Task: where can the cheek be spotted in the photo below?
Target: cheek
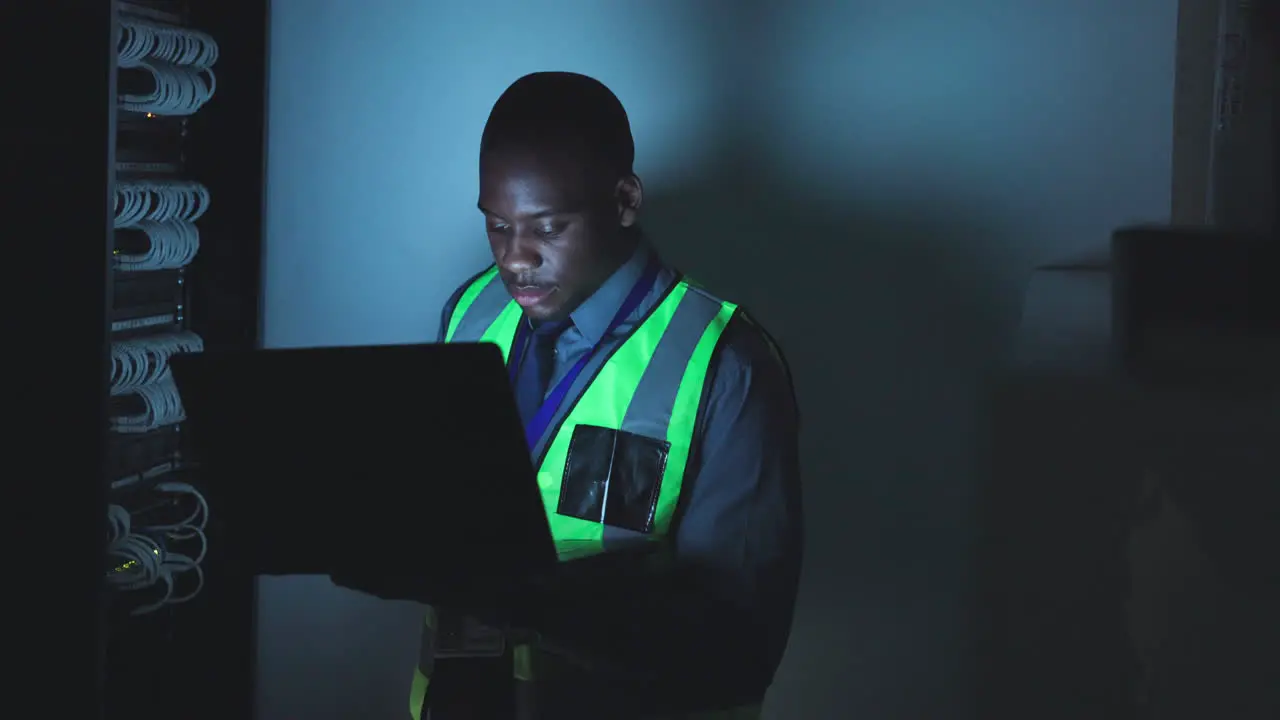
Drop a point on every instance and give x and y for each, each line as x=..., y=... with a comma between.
x=495, y=244
x=572, y=257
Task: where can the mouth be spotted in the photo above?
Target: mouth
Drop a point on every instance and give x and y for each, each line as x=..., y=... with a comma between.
x=529, y=295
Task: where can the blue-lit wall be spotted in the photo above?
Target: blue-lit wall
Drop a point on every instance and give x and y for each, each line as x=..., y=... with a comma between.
x=873, y=178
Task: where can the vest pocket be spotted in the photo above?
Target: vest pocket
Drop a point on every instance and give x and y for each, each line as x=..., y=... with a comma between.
x=613, y=477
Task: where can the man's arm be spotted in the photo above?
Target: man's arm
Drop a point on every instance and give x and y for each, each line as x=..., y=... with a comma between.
x=714, y=627
x=742, y=525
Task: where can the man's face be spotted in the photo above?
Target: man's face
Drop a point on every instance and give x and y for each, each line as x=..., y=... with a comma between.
x=554, y=228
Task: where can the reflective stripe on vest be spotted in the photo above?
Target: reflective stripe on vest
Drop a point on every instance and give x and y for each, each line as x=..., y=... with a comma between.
x=426, y=661
x=650, y=385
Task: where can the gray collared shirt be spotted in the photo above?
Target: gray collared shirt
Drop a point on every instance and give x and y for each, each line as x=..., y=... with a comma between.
x=740, y=515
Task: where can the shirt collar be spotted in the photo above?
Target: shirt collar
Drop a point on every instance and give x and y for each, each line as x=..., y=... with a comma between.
x=593, y=316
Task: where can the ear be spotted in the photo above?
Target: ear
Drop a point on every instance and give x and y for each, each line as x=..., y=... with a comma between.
x=630, y=195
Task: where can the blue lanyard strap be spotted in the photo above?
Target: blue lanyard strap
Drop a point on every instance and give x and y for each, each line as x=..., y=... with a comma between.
x=542, y=419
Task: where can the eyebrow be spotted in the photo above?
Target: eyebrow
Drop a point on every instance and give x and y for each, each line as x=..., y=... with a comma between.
x=536, y=216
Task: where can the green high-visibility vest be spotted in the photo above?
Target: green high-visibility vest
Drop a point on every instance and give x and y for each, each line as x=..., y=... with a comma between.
x=650, y=386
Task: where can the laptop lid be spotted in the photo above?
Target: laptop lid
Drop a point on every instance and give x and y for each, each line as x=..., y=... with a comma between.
x=409, y=456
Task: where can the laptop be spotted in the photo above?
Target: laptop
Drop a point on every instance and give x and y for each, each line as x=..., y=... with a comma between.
x=408, y=457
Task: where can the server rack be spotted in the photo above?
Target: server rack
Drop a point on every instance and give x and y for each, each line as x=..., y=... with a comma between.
x=204, y=150
x=112, y=158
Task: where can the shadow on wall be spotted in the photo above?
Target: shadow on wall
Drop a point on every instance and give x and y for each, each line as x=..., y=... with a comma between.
x=888, y=313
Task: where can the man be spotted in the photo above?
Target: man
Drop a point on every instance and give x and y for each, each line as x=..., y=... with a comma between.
x=624, y=371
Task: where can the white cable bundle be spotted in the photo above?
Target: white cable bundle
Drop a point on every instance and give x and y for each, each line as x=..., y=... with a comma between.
x=138, y=560
x=179, y=62
x=162, y=406
x=178, y=90
x=159, y=201
x=172, y=245
x=139, y=362
x=137, y=40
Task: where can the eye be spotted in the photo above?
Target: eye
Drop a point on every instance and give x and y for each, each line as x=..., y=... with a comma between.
x=498, y=227
x=551, y=229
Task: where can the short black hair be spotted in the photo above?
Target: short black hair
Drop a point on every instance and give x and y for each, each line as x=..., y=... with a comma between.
x=562, y=111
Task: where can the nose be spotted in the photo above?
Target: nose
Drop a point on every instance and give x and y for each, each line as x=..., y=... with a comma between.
x=519, y=254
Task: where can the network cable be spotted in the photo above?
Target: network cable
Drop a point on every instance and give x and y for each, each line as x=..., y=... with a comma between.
x=140, y=366
x=170, y=245
x=178, y=90
x=159, y=201
x=141, y=39
x=180, y=63
x=138, y=362
x=162, y=406
x=140, y=557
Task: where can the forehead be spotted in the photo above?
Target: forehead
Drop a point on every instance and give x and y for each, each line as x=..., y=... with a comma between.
x=531, y=182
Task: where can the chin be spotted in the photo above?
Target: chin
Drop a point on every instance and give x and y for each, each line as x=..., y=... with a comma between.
x=547, y=314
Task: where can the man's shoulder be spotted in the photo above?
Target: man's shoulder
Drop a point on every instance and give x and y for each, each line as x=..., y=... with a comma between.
x=749, y=345
x=446, y=312
x=746, y=345
x=457, y=292
x=749, y=365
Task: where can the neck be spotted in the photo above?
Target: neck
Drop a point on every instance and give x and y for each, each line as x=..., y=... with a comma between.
x=629, y=239
x=615, y=279
x=621, y=252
